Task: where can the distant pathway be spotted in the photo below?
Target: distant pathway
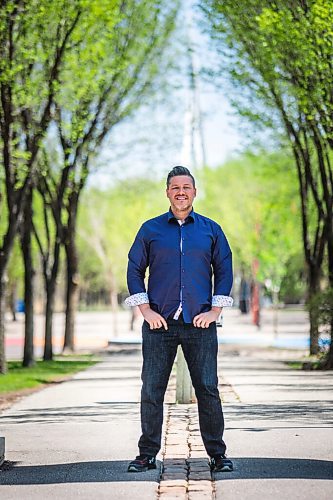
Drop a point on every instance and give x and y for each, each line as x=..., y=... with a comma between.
x=95, y=329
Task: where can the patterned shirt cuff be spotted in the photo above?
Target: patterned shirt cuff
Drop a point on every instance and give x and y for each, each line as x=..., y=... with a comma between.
x=137, y=299
x=222, y=301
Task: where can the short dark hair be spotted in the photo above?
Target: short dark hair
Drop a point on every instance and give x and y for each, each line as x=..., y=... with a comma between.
x=179, y=170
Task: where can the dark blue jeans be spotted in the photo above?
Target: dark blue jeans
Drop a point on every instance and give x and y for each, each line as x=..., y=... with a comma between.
x=159, y=351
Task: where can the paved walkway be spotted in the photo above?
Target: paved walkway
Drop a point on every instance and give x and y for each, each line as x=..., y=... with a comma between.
x=76, y=438
x=279, y=432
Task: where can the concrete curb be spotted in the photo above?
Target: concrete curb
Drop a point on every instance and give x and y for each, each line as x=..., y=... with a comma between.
x=2, y=450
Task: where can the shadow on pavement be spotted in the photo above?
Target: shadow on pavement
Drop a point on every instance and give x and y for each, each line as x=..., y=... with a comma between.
x=278, y=468
x=84, y=380
x=78, y=472
x=100, y=412
x=116, y=471
x=270, y=428
x=303, y=412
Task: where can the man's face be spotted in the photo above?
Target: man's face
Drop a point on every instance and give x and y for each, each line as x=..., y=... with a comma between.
x=181, y=193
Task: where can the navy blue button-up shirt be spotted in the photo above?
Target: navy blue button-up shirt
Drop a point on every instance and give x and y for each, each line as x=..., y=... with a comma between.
x=182, y=261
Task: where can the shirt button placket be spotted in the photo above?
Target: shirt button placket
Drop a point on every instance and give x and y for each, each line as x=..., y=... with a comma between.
x=182, y=263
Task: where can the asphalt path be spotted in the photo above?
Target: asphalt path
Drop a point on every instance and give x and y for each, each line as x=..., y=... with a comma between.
x=279, y=430
x=75, y=439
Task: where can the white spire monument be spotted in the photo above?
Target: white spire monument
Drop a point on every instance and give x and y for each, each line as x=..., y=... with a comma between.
x=193, y=148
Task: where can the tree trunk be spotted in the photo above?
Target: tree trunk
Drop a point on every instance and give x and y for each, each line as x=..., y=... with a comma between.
x=5, y=251
x=255, y=303
x=3, y=365
x=314, y=334
x=314, y=275
x=12, y=300
x=50, y=280
x=28, y=356
x=71, y=295
x=328, y=362
x=49, y=307
x=72, y=262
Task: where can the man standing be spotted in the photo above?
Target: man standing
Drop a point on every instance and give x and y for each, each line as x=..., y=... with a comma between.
x=184, y=252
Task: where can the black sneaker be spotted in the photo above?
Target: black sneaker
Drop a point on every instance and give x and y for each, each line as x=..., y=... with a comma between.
x=142, y=463
x=220, y=463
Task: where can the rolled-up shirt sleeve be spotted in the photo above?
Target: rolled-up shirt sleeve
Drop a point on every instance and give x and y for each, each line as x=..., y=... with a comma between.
x=136, y=270
x=222, y=268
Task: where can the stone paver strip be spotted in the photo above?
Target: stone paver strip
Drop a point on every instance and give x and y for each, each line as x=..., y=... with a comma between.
x=186, y=474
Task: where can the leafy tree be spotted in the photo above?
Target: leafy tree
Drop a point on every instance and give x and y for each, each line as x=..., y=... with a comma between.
x=109, y=89
x=108, y=222
x=34, y=37
x=280, y=55
x=260, y=215
x=85, y=65
x=48, y=232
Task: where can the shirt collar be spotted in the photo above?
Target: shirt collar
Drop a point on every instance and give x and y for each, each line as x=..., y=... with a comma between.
x=189, y=218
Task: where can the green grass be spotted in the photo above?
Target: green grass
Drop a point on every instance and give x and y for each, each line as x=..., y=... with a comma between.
x=44, y=372
x=295, y=365
x=299, y=365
